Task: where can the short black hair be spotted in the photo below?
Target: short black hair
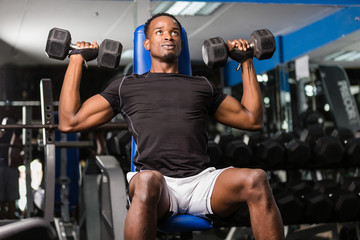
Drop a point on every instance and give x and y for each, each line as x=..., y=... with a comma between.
x=147, y=24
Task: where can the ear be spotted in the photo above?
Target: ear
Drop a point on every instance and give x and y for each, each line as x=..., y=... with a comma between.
x=147, y=44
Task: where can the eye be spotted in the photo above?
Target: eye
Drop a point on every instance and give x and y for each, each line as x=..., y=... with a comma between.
x=159, y=32
x=175, y=33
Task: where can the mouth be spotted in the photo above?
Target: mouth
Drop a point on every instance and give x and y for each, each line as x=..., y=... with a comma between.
x=168, y=46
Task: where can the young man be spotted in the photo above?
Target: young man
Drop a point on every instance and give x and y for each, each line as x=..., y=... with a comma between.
x=166, y=113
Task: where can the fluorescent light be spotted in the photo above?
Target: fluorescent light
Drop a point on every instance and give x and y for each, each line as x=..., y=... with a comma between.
x=354, y=57
x=334, y=55
x=193, y=8
x=177, y=7
x=209, y=8
x=162, y=7
x=342, y=55
x=345, y=56
x=186, y=8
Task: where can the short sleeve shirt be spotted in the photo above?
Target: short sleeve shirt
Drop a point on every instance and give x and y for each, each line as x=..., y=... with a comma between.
x=167, y=115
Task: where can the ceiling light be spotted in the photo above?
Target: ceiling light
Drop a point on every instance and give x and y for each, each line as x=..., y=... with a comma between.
x=345, y=57
x=178, y=7
x=193, y=8
x=209, y=8
x=333, y=55
x=186, y=8
x=342, y=55
x=161, y=7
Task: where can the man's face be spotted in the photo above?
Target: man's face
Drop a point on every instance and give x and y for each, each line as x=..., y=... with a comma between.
x=163, y=41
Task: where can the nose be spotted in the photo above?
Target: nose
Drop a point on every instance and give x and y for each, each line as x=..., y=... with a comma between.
x=167, y=35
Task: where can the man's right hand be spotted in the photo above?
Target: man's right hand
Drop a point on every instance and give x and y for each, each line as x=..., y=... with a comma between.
x=86, y=50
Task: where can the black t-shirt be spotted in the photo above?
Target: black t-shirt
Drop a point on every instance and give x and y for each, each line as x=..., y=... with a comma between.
x=167, y=115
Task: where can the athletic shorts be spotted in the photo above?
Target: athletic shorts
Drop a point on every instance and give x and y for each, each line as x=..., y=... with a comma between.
x=191, y=195
x=9, y=184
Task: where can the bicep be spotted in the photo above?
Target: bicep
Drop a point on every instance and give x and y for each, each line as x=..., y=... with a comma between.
x=93, y=112
x=233, y=114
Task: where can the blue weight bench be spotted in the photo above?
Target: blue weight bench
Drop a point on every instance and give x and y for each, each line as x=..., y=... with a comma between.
x=184, y=224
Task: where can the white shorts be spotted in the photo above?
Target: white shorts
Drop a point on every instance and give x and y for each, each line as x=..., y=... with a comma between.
x=191, y=195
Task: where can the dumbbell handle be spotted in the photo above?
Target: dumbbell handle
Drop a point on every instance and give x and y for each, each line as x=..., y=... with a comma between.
x=240, y=56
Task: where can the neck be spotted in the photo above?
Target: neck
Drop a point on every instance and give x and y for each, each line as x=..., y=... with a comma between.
x=164, y=67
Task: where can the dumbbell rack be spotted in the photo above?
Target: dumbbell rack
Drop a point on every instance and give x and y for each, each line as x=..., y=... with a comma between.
x=313, y=171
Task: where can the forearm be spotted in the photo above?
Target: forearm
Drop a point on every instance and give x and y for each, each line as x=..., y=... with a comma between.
x=252, y=98
x=70, y=102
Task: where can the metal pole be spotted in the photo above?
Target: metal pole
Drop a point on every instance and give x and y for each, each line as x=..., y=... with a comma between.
x=49, y=150
x=26, y=141
x=107, y=126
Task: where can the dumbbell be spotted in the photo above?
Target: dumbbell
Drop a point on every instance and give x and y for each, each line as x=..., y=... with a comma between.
x=290, y=206
x=59, y=44
x=215, y=51
x=297, y=152
x=215, y=153
x=318, y=207
x=327, y=150
x=236, y=152
x=351, y=145
x=346, y=204
x=267, y=152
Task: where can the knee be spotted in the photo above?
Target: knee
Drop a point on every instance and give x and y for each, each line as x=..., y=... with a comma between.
x=148, y=186
x=257, y=184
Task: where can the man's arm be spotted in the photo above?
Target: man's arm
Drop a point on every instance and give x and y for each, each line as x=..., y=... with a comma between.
x=72, y=115
x=247, y=114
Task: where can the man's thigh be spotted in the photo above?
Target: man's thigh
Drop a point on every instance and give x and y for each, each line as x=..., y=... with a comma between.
x=229, y=191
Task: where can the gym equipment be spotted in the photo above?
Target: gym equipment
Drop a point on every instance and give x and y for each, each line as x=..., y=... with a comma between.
x=290, y=206
x=113, y=198
x=31, y=228
x=67, y=186
x=297, y=152
x=118, y=145
x=318, y=207
x=106, y=126
x=267, y=152
x=47, y=117
x=351, y=145
x=236, y=152
x=327, y=150
x=59, y=44
x=215, y=51
x=142, y=64
x=104, y=199
x=346, y=205
x=336, y=86
x=311, y=118
x=215, y=154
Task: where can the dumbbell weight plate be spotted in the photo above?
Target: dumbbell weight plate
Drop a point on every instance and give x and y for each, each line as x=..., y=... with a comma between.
x=214, y=52
x=58, y=43
x=264, y=43
x=109, y=54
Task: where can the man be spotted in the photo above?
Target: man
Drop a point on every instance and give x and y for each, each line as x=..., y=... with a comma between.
x=166, y=113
